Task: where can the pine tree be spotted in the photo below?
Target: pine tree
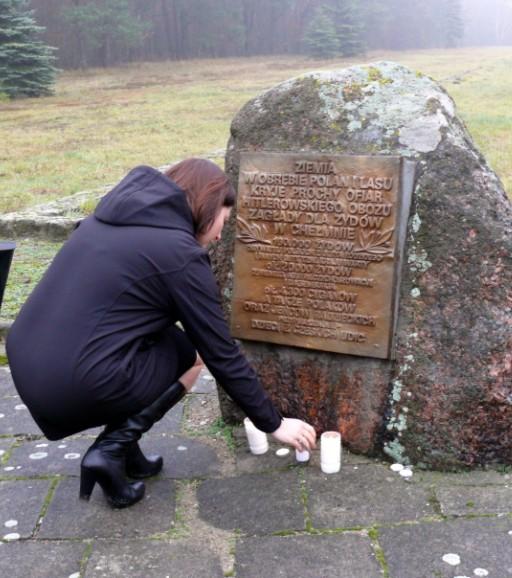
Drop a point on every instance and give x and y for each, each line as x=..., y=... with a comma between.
x=106, y=27
x=320, y=37
x=453, y=28
x=349, y=22
x=26, y=63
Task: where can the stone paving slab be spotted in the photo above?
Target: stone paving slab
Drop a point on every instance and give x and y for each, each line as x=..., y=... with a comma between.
x=5, y=446
x=362, y=497
x=417, y=550
x=170, y=423
x=21, y=502
x=7, y=471
x=34, y=559
x=151, y=559
x=7, y=388
x=471, y=478
x=338, y=556
x=461, y=501
x=254, y=504
x=184, y=457
x=205, y=383
x=43, y=457
x=15, y=418
x=201, y=413
x=70, y=517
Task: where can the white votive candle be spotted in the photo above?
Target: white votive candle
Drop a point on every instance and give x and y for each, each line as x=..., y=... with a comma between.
x=330, y=452
x=258, y=443
x=302, y=456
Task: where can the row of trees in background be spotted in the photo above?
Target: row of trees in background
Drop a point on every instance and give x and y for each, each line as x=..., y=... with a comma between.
x=350, y=27
x=488, y=22
x=106, y=32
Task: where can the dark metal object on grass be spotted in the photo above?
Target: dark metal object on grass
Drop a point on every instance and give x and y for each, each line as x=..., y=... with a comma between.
x=6, y=253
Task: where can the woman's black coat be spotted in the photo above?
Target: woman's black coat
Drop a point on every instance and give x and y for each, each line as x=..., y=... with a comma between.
x=96, y=339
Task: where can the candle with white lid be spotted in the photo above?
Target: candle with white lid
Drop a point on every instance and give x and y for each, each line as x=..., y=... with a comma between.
x=330, y=452
x=258, y=443
x=302, y=456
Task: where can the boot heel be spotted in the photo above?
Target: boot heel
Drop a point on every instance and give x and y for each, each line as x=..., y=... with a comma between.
x=87, y=483
x=106, y=467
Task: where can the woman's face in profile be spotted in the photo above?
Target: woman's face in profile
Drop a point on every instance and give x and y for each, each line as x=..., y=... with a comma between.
x=213, y=234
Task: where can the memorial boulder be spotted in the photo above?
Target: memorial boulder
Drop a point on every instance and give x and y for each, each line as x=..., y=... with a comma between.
x=372, y=289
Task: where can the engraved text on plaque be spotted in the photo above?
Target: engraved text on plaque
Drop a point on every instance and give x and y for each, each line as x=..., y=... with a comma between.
x=316, y=251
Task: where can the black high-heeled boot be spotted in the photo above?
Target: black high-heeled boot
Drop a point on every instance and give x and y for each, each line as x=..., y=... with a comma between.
x=139, y=466
x=107, y=461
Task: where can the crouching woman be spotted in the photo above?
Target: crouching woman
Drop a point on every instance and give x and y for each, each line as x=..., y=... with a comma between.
x=97, y=343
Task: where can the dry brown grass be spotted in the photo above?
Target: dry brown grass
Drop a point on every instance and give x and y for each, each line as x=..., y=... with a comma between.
x=100, y=123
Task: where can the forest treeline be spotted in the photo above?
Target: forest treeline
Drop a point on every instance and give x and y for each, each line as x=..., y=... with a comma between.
x=108, y=32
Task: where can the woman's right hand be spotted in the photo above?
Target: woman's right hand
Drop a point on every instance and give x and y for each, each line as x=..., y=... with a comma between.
x=296, y=433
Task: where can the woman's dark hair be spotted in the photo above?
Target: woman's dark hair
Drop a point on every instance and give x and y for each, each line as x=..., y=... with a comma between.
x=207, y=188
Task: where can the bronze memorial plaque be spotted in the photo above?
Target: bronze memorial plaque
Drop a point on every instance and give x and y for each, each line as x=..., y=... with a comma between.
x=317, y=251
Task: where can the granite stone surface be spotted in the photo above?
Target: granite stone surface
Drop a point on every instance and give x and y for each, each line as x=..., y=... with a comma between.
x=443, y=400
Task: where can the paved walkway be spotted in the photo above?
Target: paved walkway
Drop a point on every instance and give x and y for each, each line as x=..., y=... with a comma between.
x=216, y=510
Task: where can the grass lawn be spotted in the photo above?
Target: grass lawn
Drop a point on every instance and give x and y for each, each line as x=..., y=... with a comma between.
x=30, y=260
x=101, y=123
